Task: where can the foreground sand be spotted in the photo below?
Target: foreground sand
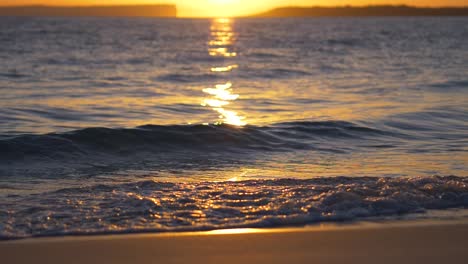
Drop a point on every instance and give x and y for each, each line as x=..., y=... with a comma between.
x=408, y=242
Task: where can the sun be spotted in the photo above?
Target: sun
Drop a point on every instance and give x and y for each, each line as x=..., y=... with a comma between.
x=223, y=2
x=223, y=8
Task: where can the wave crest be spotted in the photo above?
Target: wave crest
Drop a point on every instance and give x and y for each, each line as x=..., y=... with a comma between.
x=154, y=138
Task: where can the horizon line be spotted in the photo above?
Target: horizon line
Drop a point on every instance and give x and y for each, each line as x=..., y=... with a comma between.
x=252, y=15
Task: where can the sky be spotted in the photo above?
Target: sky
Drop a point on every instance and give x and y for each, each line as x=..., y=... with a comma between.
x=226, y=8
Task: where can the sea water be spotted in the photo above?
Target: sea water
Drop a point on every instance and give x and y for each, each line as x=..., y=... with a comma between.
x=134, y=125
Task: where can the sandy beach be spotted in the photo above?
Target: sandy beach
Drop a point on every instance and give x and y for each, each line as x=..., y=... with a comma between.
x=404, y=242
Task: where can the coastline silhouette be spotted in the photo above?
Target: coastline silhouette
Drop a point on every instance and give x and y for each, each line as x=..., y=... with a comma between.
x=92, y=11
x=366, y=11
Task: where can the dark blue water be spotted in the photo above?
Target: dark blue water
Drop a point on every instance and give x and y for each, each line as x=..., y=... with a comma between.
x=125, y=120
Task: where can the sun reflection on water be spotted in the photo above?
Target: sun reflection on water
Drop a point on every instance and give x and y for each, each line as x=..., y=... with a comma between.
x=224, y=68
x=220, y=45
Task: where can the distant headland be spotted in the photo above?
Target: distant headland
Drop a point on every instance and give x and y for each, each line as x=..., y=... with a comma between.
x=92, y=11
x=367, y=11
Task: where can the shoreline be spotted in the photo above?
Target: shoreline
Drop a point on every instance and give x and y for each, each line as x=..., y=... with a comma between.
x=418, y=241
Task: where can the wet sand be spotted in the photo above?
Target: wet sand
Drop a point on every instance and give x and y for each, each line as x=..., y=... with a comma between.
x=400, y=242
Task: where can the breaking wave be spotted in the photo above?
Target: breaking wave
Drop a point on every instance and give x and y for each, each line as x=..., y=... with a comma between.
x=150, y=206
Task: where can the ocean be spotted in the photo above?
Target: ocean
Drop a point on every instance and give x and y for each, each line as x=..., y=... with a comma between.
x=124, y=125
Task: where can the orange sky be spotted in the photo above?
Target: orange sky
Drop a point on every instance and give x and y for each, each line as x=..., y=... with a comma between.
x=197, y=8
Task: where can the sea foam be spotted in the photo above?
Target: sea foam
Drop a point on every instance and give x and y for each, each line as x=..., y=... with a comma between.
x=150, y=206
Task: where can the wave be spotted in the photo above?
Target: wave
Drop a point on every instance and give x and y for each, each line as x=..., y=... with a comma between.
x=154, y=138
x=431, y=124
x=12, y=75
x=150, y=206
x=187, y=78
x=272, y=73
x=460, y=85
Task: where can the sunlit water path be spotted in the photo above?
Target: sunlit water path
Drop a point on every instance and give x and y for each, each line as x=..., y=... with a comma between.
x=222, y=95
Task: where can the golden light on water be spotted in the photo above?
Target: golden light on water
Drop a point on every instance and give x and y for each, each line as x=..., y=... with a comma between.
x=231, y=117
x=224, y=68
x=222, y=52
x=222, y=92
x=222, y=37
x=214, y=103
x=221, y=95
x=225, y=21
